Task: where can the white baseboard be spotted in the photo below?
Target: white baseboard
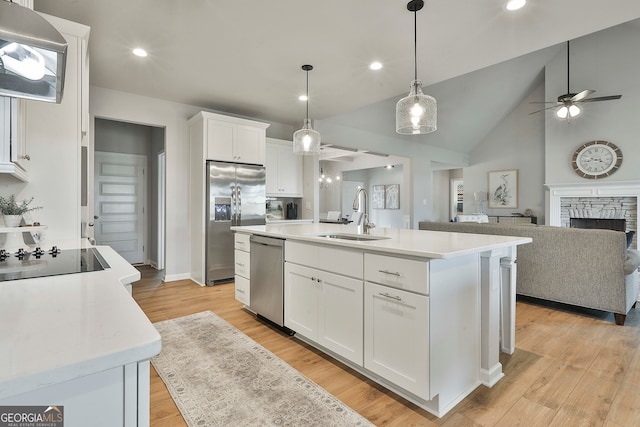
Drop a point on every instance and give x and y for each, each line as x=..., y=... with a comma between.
x=174, y=277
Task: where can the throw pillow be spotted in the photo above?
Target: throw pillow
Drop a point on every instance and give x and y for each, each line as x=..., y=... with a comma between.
x=631, y=261
x=630, y=235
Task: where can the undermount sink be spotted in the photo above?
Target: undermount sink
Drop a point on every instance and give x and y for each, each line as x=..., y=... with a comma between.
x=354, y=237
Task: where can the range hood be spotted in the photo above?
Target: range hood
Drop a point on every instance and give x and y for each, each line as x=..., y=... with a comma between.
x=32, y=55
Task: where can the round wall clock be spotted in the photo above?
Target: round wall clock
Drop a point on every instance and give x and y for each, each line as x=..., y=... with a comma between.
x=596, y=159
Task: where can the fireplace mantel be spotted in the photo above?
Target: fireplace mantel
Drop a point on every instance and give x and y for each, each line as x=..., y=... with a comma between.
x=587, y=189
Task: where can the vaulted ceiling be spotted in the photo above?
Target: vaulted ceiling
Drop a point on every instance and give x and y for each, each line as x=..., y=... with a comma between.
x=244, y=57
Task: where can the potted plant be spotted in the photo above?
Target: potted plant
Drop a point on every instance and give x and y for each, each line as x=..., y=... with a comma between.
x=12, y=211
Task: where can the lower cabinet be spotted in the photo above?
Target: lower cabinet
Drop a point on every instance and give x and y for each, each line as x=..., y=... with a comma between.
x=242, y=268
x=396, y=337
x=326, y=308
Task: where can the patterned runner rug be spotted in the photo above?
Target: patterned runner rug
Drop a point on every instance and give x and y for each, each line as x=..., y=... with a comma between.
x=218, y=376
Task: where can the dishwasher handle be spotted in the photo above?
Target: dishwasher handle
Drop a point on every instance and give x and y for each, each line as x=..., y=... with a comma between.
x=267, y=241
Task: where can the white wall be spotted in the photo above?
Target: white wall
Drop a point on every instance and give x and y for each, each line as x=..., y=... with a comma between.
x=110, y=104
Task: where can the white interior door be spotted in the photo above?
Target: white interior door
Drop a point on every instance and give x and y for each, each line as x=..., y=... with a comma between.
x=119, y=203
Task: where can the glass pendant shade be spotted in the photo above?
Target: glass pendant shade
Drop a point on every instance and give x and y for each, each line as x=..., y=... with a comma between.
x=306, y=141
x=416, y=113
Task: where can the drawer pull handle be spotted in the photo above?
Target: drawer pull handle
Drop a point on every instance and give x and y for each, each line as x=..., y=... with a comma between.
x=240, y=290
x=389, y=272
x=386, y=295
x=240, y=264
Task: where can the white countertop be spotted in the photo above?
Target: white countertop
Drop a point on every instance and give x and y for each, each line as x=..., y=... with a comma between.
x=54, y=329
x=420, y=243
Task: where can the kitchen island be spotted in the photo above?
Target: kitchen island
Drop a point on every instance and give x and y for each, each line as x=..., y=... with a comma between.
x=79, y=341
x=418, y=312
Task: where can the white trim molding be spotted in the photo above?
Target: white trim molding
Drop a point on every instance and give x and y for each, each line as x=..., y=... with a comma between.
x=589, y=189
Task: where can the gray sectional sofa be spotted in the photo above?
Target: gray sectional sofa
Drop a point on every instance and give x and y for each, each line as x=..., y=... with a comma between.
x=587, y=268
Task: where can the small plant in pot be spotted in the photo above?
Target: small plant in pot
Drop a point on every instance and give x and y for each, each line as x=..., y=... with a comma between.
x=12, y=211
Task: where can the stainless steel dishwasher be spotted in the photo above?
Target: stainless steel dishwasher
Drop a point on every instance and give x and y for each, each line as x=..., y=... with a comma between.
x=267, y=279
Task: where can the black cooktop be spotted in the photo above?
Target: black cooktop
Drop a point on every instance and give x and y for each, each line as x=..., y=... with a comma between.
x=50, y=262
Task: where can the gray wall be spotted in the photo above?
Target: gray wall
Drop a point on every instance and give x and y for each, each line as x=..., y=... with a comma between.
x=130, y=138
x=608, y=62
x=517, y=142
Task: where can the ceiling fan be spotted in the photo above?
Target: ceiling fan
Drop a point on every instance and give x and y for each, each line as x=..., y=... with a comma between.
x=569, y=102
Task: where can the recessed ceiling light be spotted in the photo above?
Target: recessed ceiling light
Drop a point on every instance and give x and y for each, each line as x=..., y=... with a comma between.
x=140, y=52
x=516, y=4
x=375, y=65
x=303, y=97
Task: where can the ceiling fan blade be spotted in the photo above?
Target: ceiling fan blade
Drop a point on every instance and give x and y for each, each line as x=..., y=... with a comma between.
x=543, y=102
x=602, y=98
x=582, y=95
x=548, y=108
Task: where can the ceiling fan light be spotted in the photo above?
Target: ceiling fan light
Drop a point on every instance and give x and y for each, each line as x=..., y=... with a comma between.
x=574, y=110
x=562, y=112
x=416, y=113
x=515, y=4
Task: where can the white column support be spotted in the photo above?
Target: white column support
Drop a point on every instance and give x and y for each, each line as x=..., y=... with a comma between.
x=490, y=313
x=508, y=302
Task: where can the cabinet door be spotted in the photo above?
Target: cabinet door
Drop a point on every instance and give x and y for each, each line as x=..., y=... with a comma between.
x=249, y=145
x=301, y=300
x=220, y=137
x=289, y=172
x=340, y=323
x=396, y=337
x=272, y=171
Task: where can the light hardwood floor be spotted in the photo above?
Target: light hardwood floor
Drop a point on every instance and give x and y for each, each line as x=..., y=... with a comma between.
x=570, y=367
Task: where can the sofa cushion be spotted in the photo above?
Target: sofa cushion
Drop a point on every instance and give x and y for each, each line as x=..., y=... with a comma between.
x=631, y=261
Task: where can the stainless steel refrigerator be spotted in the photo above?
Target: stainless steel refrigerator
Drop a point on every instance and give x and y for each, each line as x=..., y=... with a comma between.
x=235, y=196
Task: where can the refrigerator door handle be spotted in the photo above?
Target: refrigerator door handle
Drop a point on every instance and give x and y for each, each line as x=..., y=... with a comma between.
x=233, y=205
x=238, y=205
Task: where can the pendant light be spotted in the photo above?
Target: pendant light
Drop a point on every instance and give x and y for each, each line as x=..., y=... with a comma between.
x=306, y=141
x=416, y=113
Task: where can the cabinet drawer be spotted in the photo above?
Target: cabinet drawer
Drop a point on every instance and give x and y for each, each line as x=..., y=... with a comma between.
x=301, y=253
x=242, y=263
x=328, y=258
x=411, y=275
x=242, y=242
x=341, y=261
x=242, y=290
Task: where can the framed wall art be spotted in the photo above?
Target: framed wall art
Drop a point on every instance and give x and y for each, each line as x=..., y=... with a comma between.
x=377, y=197
x=392, y=196
x=503, y=189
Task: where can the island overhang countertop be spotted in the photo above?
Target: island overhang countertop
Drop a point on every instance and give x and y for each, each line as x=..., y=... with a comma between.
x=418, y=243
x=54, y=329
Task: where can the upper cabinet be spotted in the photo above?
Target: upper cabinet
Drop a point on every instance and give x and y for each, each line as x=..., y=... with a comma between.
x=13, y=154
x=230, y=139
x=284, y=169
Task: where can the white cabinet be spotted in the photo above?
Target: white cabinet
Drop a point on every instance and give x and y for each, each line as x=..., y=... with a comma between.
x=14, y=158
x=396, y=325
x=227, y=138
x=396, y=337
x=325, y=308
x=242, y=262
x=284, y=169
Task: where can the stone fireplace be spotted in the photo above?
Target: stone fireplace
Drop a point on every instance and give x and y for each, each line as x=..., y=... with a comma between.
x=599, y=201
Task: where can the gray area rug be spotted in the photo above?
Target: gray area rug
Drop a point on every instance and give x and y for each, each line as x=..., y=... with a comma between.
x=218, y=376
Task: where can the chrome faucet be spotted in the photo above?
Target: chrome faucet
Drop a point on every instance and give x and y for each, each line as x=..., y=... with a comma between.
x=366, y=225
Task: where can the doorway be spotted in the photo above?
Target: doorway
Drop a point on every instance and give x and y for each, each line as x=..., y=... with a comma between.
x=142, y=241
